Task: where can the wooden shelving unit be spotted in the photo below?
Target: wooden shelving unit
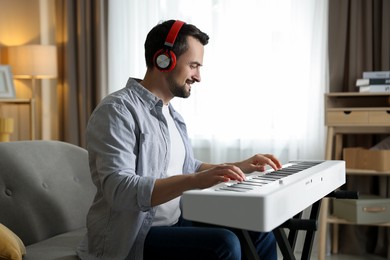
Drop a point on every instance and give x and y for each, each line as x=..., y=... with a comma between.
x=23, y=101
x=350, y=113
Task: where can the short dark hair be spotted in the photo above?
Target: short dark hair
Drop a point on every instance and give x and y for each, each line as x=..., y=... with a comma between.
x=156, y=38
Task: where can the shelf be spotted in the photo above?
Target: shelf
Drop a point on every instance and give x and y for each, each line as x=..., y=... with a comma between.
x=359, y=129
x=337, y=109
x=335, y=220
x=15, y=100
x=365, y=172
x=348, y=101
x=357, y=94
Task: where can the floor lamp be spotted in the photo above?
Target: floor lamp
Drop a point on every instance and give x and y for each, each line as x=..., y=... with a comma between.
x=33, y=62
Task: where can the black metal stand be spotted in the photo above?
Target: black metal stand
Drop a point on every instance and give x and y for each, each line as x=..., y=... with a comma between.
x=287, y=243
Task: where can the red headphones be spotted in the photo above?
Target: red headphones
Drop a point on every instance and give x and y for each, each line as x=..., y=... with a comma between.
x=165, y=59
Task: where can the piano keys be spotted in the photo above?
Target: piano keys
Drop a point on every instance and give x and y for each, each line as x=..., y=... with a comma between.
x=264, y=200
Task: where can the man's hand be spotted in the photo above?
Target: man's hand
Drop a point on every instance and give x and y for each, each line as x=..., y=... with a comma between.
x=259, y=162
x=218, y=174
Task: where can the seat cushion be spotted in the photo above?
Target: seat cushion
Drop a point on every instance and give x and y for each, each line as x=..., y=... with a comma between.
x=62, y=247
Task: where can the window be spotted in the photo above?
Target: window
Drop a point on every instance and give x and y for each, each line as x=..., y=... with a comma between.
x=263, y=79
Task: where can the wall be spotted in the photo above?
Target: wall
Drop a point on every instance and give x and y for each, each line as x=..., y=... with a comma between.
x=30, y=22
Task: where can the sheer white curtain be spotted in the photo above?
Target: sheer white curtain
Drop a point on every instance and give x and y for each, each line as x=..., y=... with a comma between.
x=263, y=79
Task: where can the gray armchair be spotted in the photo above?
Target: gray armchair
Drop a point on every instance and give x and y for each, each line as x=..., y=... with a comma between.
x=45, y=193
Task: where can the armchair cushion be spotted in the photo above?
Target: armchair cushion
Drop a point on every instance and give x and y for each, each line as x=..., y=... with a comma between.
x=11, y=247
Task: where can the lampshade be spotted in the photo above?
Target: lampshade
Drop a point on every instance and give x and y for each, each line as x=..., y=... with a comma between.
x=28, y=61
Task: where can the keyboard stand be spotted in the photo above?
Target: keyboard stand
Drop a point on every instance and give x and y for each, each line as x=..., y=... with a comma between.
x=287, y=243
x=295, y=224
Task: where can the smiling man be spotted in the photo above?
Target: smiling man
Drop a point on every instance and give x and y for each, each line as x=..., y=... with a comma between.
x=141, y=162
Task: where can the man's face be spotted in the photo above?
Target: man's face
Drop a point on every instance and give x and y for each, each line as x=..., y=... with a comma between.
x=187, y=70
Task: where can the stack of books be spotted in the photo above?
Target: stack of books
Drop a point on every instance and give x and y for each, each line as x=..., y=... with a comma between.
x=374, y=81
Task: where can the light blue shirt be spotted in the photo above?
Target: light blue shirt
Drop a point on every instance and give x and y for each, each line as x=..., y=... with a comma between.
x=129, y=148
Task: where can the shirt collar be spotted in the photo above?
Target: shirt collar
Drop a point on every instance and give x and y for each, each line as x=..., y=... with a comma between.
x=150, y=99
x=145, y=95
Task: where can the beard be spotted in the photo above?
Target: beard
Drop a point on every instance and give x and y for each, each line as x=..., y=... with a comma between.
x=178, y=90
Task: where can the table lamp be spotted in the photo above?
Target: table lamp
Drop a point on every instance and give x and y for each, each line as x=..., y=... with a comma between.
x=33, y=62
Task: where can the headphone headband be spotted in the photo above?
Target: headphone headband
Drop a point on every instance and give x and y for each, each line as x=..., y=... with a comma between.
x=173, y=32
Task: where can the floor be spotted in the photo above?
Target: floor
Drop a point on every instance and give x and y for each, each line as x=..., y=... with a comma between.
x=342, y=257
x=353, y=257
x=314, y=255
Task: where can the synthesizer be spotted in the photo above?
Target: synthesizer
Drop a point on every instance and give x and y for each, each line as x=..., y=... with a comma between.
x=267, y=199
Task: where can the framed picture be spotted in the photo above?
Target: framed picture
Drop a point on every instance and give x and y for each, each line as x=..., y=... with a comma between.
x=7, y=89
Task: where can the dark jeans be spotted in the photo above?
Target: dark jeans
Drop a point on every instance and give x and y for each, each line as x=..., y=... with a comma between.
x=188, y=240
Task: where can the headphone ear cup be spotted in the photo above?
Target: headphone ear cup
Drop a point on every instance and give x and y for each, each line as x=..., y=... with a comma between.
x=165, y=60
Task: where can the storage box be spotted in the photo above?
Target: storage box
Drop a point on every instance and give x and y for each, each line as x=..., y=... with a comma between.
x=367, y=209
x=360, y=158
